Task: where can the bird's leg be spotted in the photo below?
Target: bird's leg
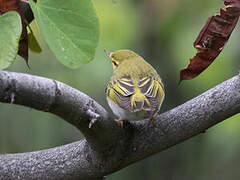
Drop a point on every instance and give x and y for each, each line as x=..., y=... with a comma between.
x=121, y=122
x=151, y=122
x=151, y=119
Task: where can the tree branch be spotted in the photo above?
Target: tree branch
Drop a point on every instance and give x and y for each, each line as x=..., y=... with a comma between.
x=107, y=147
x=55, y=97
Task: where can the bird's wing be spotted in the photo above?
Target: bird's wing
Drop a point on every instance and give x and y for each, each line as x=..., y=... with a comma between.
x=147, y=95
x=153, y=90
x=120, y=92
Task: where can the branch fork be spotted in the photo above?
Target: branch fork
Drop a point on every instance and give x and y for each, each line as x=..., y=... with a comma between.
x=107, y=147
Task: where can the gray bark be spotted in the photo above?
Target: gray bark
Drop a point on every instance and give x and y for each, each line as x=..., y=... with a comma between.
x=107, y=147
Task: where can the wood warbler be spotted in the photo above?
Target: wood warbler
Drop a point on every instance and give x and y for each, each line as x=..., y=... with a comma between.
x=135, y=90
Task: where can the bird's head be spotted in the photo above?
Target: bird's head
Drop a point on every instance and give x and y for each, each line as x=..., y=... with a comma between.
x=119, y=56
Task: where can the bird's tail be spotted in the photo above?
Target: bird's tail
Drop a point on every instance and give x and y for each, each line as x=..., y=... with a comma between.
x=139, y=101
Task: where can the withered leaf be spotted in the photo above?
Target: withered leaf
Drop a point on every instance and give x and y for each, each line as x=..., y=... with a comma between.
x=212, y=38
x=15, y=5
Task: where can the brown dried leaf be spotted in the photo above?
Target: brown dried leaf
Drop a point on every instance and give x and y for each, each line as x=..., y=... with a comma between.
x=15, y=5
x=212, y=38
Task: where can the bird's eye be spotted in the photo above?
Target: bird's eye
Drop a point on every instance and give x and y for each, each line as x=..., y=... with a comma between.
x=115, y=64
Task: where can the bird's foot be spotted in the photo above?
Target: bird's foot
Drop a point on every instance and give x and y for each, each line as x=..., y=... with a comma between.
x=122, y=122
x=151, y=119
x=151, y=122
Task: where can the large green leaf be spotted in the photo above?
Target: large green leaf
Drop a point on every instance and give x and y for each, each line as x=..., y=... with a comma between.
x=10, y=32
x=70, y=28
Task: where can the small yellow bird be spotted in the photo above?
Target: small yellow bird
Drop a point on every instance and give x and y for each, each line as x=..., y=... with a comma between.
x=135, y=90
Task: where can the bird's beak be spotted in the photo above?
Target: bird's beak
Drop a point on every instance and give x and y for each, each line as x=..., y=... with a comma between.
x=108, y=53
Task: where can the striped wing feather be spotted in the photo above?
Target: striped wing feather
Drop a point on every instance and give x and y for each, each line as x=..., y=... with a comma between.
x=147, y=95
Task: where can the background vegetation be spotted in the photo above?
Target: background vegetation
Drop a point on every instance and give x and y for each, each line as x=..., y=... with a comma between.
x=163, y=33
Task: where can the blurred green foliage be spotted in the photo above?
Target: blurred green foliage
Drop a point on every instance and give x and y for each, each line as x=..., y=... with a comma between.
x=163, y=33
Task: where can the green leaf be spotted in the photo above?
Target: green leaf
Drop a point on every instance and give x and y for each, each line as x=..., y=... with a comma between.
x=11, y=29
x=70, y=28
x=33, y=43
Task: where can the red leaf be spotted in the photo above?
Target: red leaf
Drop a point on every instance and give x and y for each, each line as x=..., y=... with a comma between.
x=15, y=5
x=212, y=38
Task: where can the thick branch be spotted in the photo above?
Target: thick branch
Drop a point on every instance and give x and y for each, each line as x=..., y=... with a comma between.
x=123, y=146
x=52, y=96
